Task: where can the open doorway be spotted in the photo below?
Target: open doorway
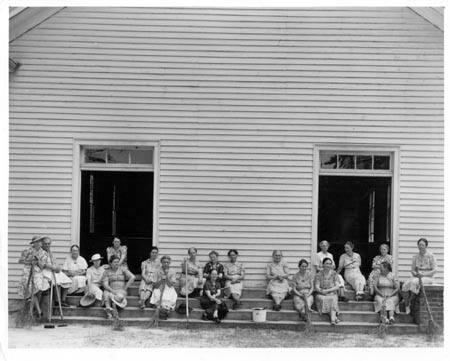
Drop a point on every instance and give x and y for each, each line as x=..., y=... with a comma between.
x=357, y=209
x=117, y=203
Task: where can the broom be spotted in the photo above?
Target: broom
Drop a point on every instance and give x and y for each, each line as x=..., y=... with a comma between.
x=433, y=328
x=187, y=299
x=117, y=323
x=25, y=316
x=309, y=328
x=382, y=327
x=154, y=320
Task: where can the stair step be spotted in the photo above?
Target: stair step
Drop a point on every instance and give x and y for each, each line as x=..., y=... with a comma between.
x=247, y=303
x=343, y=327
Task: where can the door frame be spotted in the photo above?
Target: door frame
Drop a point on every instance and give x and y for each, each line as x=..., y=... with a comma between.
x=394, y=151
x=78, y=144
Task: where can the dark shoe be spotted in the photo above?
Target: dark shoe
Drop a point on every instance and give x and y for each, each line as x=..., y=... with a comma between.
x=343, y=299
x=204, y=317
x=217, y=320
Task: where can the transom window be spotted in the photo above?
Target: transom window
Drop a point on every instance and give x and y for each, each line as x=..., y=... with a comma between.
x=115, y=156
x=354, y=161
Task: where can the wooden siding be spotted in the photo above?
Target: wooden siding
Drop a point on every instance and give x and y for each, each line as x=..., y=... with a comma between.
x=238, y=98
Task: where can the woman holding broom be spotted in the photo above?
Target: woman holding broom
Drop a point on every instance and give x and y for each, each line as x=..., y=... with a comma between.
x=33, y=282
x=164, y=295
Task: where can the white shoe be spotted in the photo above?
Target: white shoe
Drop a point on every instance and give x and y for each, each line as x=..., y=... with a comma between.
x=407, y=310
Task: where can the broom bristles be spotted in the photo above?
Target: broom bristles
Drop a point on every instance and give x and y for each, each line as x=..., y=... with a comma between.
x=24, y=318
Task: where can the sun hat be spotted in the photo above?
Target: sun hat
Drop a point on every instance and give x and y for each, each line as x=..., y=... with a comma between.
x=96, y=257
x=87, y=300
x=36, y=239
x=120, y=300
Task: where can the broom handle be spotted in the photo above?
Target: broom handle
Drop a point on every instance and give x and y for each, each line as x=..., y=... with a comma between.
x=187, y=296
x=32, y=291
x=56, y=287
x=430, y=315
x=50, y=303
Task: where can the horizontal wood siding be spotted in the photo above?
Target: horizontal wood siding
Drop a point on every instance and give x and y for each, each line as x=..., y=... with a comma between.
x=238, y=98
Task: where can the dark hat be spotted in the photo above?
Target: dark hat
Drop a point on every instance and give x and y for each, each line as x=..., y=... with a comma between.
x=36, y=239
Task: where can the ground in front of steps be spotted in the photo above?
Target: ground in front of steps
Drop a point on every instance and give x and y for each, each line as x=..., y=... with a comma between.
x=75, y=336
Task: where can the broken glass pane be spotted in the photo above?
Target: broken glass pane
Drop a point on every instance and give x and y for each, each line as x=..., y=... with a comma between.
x=328, y=160
x=364, y=162
x=381, y=162
x=346, y=161
x=94, y=156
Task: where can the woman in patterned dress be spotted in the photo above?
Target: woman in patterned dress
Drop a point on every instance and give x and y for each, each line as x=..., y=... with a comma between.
x=386, y=288
x=75, y=268
x=149, y=269
x=326, y=285
x=277, y=273
x=114, y=285
x=94, y=275
x=303, y=287
x=165, y=281
x=234, y=275
x=384, y=256
x=119, y=251
x=193, y=284
x=212, y=301
x=33, y=257
x=423, y=266
x=214, y=264
x=351, y=261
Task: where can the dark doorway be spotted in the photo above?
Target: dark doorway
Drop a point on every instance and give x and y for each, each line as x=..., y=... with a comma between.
x=356, y=209
x=117, y=203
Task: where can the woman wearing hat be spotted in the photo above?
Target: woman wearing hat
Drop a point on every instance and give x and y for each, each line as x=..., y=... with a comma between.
x=34, y=258
x=149, y=269
x=94, y=276
x=75, y=268
x=164, y=294
x=114, y=285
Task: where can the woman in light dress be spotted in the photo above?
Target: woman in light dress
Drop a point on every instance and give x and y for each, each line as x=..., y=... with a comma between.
x=165, y=281
x=384, y=256
x=277, y=273
x=212, y=300
x=33, y=258
x=193, y=284
x=351, y=261
x=94, y=276
x=423, y=266
x=115, y=286
x=119, y=251
x=75, y=268
x=234, y=274
x=149, y=270
x=386, y=289
x=326, y=285
x=318, y=260
x=303, y=287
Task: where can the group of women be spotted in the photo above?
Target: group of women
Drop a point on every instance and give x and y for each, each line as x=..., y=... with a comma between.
x=322, y=286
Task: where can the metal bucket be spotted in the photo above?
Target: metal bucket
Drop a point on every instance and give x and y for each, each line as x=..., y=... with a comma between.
x=259, y=314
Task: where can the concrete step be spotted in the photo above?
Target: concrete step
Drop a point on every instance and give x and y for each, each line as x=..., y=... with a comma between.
x=343, y=327
x=241, y=315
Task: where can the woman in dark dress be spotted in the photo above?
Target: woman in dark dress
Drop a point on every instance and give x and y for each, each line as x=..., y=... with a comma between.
x=212, y=301
x=214, y=264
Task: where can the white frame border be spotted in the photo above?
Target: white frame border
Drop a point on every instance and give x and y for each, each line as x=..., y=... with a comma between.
x=394, y=173
x=76, y=178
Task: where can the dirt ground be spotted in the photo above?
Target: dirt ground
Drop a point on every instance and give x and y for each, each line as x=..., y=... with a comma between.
x=103, y=336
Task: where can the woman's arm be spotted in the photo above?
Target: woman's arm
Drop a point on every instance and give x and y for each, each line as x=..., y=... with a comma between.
x=123, y=255
x=375, y=263
x=131, y=277
x=431, y=272
x=209, y=295
x=286, y=271
x=105, y=283
x=269, y=273
x=413, y=267
x=341, y=264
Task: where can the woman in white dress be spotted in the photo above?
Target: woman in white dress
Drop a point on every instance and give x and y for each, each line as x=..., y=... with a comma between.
x=351, y=261
x=277, y=273
x=149, y=270
x=166, y=279
x=234, y=275
x=423, y=266
x=386, y=289
x=193, y=283
x=75, y=268
x=326, y=285
x=94, y=276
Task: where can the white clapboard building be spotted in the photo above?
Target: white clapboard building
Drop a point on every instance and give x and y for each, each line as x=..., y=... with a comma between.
x=219, y=128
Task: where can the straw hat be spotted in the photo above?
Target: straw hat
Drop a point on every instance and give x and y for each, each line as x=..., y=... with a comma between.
x=96, y=257
x=120, y=300
x=87, y=300
x=36, y=239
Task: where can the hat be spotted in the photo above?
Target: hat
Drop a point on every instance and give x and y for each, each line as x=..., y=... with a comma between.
x=36, y=239
x=87, y=300
x=119, y=300
x=96, y=257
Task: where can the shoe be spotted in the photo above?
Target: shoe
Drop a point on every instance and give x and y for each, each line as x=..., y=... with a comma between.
x=392, y=320
x=216, y=320
x=108, y=311
x=343, y=299
x=333, y=323
x=204, y=317
x=337, y=320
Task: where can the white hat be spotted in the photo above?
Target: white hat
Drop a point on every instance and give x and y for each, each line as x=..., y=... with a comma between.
x=96, y=257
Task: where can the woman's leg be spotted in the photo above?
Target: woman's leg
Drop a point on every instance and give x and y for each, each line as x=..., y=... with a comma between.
x=333, y=317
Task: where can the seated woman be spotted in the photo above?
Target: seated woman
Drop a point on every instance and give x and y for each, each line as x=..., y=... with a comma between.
x=303, y=287
x=320, y=256
x=193, y=284
x=94, y=275
x=386, y=289
x=119, y=251
x=423, y=267
x=326, y=285
x=376, y=265
x=215, y=307
x=164, y=294
x=277, y=273
x=234, y=275
x=115, y=288
x=75, y=268
x=34, y=260
x=214, y=264
x=149, y=269
x=351, y=261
